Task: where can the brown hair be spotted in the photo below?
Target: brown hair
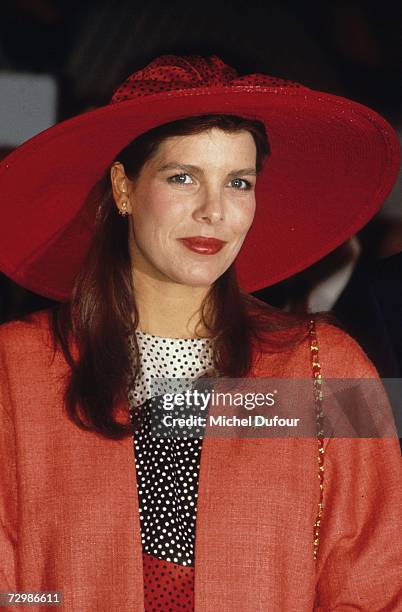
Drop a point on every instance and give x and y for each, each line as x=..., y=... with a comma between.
x=100, y=314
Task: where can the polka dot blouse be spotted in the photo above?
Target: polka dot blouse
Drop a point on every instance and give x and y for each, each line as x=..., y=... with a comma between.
x=167, y=471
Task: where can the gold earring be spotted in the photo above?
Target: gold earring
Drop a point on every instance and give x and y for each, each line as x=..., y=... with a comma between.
x=123, y=210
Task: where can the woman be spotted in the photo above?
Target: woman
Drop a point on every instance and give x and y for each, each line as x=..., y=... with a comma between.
x=194, y=158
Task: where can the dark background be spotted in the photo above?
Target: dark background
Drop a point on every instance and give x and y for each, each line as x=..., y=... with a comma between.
x=351, y=48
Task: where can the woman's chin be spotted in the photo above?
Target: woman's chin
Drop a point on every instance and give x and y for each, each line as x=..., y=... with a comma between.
x=194, y=274
x=197, y=280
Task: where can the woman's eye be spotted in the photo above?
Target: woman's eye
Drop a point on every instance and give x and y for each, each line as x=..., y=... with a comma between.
x=241, y=184
x=180, y=179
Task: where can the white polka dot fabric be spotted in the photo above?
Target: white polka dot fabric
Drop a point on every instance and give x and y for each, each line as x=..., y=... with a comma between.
x=167, y=468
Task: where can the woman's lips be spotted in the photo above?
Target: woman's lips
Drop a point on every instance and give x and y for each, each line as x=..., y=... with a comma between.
x=202, y=245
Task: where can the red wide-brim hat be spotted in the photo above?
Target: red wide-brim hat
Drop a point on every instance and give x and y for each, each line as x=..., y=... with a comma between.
x=332, y=164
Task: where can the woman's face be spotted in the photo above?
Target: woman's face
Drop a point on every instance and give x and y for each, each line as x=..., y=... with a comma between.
x=195, y=186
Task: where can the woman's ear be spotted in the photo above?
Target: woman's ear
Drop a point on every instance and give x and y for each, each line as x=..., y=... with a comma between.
x=120, y=188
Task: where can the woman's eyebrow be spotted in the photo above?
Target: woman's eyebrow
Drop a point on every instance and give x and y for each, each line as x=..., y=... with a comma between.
x=191, y=168
x=246, y=171
x=173, y=165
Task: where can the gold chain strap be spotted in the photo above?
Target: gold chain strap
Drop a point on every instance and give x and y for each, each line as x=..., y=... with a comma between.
x=318, y=396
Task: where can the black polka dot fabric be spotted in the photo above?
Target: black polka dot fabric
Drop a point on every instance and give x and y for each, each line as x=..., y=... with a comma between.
x=167, y=471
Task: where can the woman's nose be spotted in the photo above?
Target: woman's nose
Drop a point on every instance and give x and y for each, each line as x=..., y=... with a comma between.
x=210, y=206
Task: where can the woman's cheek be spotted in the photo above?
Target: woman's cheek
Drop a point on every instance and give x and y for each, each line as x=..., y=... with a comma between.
x=165, y=211
x=245, y=216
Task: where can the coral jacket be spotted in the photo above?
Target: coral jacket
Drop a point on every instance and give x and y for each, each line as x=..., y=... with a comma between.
x=69, y=505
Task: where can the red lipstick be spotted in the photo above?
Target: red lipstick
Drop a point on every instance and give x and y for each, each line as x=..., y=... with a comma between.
x=203, y=245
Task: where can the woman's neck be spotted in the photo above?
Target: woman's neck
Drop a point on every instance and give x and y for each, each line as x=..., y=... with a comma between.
x=169, y=309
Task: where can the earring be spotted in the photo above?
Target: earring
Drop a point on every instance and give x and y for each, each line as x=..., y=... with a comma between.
x=123, y=210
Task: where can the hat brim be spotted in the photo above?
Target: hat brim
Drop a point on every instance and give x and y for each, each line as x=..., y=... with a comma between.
x=333, y=162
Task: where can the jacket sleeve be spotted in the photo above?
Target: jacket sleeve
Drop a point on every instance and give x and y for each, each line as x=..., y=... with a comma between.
x=360, y=555
x=8, y=489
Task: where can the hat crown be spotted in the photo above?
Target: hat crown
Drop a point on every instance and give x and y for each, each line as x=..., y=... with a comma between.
x=170, y=73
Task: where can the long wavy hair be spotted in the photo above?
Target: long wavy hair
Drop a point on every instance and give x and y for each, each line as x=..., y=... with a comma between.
x=102, y=311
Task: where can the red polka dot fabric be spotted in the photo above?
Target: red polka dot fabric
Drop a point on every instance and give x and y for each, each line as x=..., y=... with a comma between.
x=167, y=586
x=173, y=73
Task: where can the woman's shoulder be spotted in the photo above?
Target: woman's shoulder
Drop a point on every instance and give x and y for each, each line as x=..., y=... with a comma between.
x=27, y=336
x=339, y=355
